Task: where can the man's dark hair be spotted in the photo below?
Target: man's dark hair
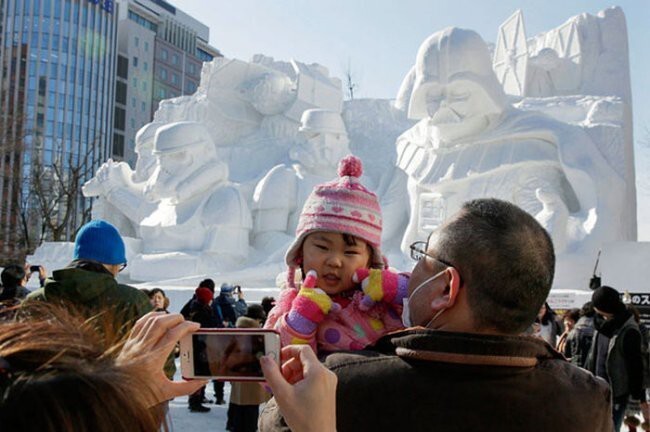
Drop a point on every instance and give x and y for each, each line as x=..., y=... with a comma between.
x=587, y=310
x=207, y=283
x=12, y=275
x=506, y=261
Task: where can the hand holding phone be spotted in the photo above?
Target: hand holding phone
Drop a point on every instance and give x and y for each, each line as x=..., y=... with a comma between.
x=303, y=381
x=228, y=354
x=34, y=269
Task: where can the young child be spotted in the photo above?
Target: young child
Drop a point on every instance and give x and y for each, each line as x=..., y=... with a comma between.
x=349, y=298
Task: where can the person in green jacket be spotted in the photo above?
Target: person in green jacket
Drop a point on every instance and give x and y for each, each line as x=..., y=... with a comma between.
x=88, y=282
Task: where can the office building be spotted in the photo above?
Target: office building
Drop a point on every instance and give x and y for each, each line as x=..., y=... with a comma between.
x=57, y=84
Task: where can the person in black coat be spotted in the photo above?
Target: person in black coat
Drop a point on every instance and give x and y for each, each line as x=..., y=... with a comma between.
x=200, y=311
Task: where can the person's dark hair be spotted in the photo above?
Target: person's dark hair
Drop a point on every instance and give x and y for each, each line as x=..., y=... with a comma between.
x=255, y=311
x=587, y=310
x=549, y=316
x=351, y=240
x=267, y=304
x=146, y=292
x=506, y=261
x=207, y=283
x=56, y=361
x=153, y=292
x=572, y=314
x=12, y=275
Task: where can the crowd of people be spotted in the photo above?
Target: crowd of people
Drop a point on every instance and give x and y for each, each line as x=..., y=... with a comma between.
x=466, y=341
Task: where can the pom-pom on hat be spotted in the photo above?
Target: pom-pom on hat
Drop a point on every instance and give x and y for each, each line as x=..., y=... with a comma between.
x=607, y=299
x=203, y=295
x=99, y=241
x=344, y=206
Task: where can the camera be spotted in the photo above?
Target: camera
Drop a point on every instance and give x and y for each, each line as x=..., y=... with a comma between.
x=34, y=268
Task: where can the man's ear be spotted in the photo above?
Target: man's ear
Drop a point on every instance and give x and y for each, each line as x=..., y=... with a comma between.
x=449, y=293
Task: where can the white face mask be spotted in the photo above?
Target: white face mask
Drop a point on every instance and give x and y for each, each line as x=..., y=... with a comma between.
x=406, y=313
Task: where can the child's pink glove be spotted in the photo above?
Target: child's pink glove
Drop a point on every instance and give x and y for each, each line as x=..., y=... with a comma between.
x=310, y=307
x=385, y=286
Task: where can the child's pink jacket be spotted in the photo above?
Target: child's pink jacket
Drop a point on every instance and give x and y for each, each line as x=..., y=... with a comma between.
x=347, y=329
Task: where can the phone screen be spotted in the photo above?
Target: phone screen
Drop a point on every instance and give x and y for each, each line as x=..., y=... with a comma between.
x=227, y=355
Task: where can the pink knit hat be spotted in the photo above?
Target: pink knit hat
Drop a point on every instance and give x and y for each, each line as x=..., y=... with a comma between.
x=344, y=206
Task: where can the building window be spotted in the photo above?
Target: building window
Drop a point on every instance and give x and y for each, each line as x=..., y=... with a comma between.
x=144, y=85
x=133, y=102
x=164, y=54
x=135, y=62
x=122, y=67
x=118, y=145
x=136, y=41
x=175, y=78
x=175, y=59
x=146, y=46
x=163, y=74
x=132, y=123
x=120, y=119
x=203, y=55
x=120, y=92
x=161, y=93
x=143, y=107
x=135, y=82
x=145, y=66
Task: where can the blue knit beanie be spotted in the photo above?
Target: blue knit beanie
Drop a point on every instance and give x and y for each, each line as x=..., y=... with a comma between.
x=100, y=241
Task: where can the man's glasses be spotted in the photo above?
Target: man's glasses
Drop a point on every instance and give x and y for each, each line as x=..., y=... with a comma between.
x=419, y=251
x=122, y=267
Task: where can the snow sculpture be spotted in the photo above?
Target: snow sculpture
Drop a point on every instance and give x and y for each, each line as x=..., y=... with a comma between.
x=280, y=195
x=587, y=55
x=253, y=110
x=193, y=220
x=117, y=187
x=470, y=142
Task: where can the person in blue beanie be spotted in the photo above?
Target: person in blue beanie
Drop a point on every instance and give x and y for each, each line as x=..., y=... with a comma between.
x=88, y=282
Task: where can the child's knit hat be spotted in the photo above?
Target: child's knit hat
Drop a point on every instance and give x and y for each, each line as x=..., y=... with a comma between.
x=344, y=206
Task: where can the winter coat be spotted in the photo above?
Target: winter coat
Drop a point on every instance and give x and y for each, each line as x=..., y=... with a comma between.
x=247, y=393
x=193, y=302
x=17, y=292
x=224, y=303
x=624, y=360
x=240, y=307
x=204, y=315
x=93, y=289
x=578, y=342
x=426, y=380
x=348, y=329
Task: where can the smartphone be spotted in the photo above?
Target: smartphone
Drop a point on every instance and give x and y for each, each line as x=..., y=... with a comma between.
x=34, y=268
x=228, y=354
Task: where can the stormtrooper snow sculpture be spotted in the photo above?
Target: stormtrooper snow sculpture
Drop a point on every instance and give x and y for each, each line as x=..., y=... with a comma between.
x=118, y=188
x=470, y=143
x=280, y=195
x=195, y=220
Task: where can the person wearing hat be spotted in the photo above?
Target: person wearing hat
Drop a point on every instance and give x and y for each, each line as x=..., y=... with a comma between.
x=615, y=354
x=88, y=282
x=202, y=313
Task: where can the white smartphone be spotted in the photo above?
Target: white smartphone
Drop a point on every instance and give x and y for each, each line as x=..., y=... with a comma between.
x=228, y=354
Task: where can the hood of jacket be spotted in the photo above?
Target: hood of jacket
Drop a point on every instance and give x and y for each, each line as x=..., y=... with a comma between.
x=78, y=284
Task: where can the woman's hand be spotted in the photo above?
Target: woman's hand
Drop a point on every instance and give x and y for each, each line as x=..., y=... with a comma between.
x=303, y=388
x=150, y=342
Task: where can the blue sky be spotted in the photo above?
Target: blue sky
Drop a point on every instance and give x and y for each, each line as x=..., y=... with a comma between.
x=380, y=38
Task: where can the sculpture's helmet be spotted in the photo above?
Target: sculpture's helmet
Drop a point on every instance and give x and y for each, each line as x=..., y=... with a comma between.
x=145, y=136
x=315, y=121
x=184, y=136
x=448, y=55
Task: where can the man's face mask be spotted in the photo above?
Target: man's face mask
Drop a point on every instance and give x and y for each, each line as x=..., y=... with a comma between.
x=406, y=313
